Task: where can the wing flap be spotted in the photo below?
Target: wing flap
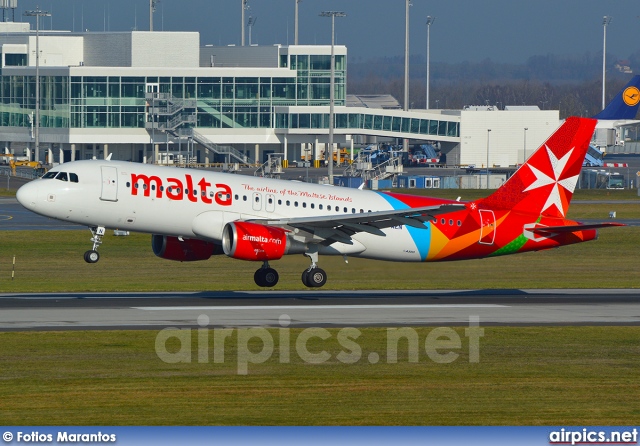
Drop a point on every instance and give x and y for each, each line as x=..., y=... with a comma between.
x=340, y=226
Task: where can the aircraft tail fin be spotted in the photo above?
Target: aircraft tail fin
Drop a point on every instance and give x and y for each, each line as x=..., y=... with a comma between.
x=625, y=104
x=544, y=185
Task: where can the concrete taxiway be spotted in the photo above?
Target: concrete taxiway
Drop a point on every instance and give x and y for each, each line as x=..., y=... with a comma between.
x=62, y=311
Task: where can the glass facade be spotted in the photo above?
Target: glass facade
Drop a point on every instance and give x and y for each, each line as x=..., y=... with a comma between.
x=314, y=79
x=120, y=101
x=364, y=121
x=214, y=102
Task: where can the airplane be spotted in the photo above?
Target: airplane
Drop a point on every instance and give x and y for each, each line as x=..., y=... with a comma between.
x=624, y=106
x=194, y=214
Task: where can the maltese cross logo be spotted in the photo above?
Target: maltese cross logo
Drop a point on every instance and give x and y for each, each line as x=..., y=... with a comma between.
x=558, y=181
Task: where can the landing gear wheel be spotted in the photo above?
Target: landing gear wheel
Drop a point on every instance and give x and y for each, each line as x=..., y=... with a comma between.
x=266, y=277
x=91, y=256
x=315, y=278
x=305, y=274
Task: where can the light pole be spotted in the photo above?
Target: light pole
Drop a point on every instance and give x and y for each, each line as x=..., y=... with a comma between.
x=524, y=156
x=37, y=13
x=605, y=21
x=430, y=20
x=295, y=38
x=252, y=21
x=488, y=133
x=245, y=6
x=152, y=9
x=405, y=142
x=333, y=15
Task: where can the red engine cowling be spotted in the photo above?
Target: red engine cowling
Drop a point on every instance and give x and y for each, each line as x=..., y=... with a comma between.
x=185, y=250
x=250, y=241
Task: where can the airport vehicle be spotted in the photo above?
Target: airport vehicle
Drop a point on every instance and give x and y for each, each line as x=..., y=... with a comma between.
x=194, y=214
x=593, y=158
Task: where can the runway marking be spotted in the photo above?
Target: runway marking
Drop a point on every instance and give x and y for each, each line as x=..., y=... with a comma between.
x=5, y=217
x=319, y=307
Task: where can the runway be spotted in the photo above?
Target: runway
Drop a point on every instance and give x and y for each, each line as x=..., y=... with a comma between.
x=74, y=311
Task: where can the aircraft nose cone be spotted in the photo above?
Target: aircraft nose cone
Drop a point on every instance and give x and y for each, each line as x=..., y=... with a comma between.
x=27, y=195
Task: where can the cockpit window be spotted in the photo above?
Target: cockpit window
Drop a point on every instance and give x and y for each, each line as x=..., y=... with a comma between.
x=50, y=175
x=62, y=176
x=73, y=177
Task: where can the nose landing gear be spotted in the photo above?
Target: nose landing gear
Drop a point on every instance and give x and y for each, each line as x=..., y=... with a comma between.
x=92, y=255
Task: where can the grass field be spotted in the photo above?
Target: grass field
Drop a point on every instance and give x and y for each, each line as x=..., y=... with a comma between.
x=526, y=375
x=52, y=261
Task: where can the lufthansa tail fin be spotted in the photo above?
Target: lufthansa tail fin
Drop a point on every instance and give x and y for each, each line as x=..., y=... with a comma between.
x=544, y=185
x=625, y=104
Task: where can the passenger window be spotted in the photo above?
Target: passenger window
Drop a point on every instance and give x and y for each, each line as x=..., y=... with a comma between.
x=304, y=204
x=450, y=222
x=328, y=207
x=345, y=210
x=279, y=202
x=236, y=196
x=459, y=223
x=442, y=221
x=295, y=204
x=288, y=203
x=313, y=206
x=73, y=177
x=320, y=206
x=128, y=184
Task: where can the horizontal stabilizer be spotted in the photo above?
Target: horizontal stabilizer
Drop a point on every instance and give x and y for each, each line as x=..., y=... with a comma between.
x=546, y=230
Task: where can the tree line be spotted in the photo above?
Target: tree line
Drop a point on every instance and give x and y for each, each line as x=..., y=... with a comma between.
x=572, y=85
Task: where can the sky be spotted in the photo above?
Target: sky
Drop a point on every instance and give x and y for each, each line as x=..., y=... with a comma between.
x=464, y=30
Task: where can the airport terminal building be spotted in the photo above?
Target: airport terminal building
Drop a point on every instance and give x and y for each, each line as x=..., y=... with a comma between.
x=138, y=95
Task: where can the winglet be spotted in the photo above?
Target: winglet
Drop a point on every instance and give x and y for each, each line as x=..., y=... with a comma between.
x=625, y=104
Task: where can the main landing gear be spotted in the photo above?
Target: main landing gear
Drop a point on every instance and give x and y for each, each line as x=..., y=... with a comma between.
x=92, y=255
x=312, y=277
x=266, y=276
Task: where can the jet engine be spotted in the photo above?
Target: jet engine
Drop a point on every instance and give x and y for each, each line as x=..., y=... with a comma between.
x=251, y=241
x=182, y=250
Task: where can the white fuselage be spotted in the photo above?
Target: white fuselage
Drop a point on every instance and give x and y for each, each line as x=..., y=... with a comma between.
x=194, y=203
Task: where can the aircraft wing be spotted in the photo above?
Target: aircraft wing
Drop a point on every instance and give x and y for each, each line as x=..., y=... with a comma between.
x=341, y=227
x=547, y=230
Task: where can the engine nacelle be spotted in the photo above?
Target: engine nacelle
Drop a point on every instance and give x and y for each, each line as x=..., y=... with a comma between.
x=185, y=250
x=251, y=241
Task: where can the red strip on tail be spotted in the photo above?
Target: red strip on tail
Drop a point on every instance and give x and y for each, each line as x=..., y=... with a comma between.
x=544, y=185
